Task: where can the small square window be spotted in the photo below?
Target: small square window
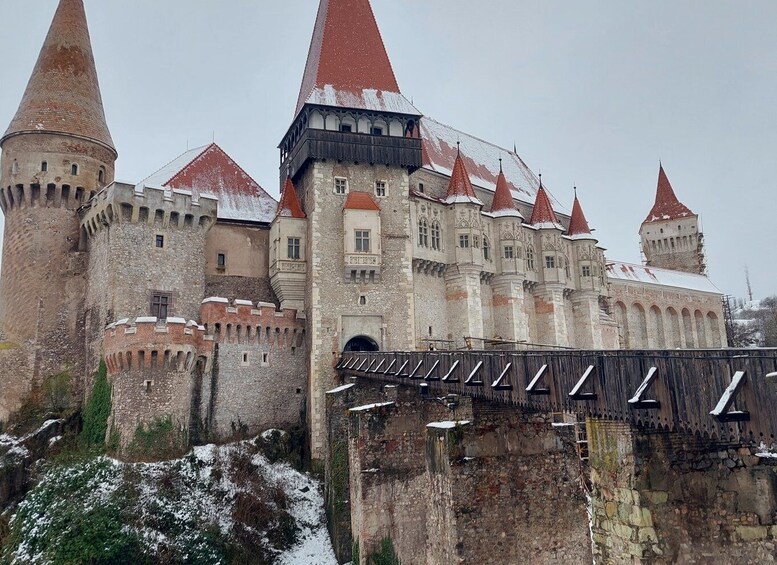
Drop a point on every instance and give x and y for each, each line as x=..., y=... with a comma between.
x=380, y=189
x=550, y=262
x=586, y=270
x=509, y=253
x=346, y=128
x=464, y=241
x=341, y=186
x=221, y=260
x=160, y=241
x=161, y=305
x=377, y=131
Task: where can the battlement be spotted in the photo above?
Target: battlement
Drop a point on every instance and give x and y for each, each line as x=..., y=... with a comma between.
x=43, y=196
x=163, y=208
x=243, y=322
x=148, y=343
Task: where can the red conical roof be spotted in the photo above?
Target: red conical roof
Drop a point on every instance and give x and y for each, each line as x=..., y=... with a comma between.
x=289, y=206
x=578, y=225
x=63, y=94
x=460, y=188
x=667, y=206
x=503, y=203
x=542, y=215
x=347, y=62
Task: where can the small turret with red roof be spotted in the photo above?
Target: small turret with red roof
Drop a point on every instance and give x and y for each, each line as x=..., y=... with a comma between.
x=542, y=215
x=503, y=204
x=460, y=189
x=289, y=206
x=578, y=225
x=666, y=206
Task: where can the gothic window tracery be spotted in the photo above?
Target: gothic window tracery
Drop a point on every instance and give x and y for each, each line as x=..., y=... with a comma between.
x=423, y=233
x=436, y=236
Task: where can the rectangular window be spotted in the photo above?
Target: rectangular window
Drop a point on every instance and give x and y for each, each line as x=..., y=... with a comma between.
x=476, y=241
x=550, y=262
x=377, y=131
x=293, y=248
x=464, y=241
x=160, y=241
x=509, y=254
x=380, y=189
x=221, y=260
x=161, y=305
x=420, y=187
x=362, y=241
x=586, y=271
x=346, y=128
x=341, y=186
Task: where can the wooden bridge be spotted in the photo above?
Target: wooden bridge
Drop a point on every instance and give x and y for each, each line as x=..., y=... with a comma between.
x=729, y=395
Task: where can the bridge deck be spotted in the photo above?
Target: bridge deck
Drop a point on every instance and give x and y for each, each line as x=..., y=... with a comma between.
x=721, y=394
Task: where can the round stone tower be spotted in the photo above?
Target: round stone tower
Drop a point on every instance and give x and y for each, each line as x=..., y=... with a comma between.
x=56, y=154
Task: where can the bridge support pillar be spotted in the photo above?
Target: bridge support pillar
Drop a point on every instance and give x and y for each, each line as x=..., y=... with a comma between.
x=508, y=308
x=666, y=497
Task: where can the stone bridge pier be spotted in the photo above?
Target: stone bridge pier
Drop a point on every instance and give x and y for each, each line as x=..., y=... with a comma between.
x=481, y=483
x=666, y=497
x=468, y=480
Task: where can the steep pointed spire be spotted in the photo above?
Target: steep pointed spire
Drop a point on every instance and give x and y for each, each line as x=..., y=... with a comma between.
x=666, y=206
x=460, y=188
x=503, y=203
x=543, y=216
x=347, y=63
x=578, y=225
x=289, y=206
x=63, y=94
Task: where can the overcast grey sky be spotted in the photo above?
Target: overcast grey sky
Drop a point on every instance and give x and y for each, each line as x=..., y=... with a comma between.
x=593, y=93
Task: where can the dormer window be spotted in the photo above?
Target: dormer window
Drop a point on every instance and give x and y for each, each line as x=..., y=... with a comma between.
x=74, y=170
x=44, y=166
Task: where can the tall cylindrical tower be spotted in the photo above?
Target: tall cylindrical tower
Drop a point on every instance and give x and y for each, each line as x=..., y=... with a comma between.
x=56, y=153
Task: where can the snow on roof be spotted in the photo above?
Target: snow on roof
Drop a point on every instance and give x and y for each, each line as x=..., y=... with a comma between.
x=481, y=159
x=662, y=277
x=210, y=171
x=370, y=406
x=366, y=99
x=341, y=388
x=666, y=206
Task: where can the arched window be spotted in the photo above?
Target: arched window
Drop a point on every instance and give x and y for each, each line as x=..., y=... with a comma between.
x=486, y=249
x=74, y=169
x=423, y=233
x=14, y=168
x=101, y=176
x=44, y=166
x=436, y=236
x=530, y=258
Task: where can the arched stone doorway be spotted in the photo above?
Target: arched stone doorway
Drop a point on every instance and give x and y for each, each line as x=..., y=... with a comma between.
x=361, y=343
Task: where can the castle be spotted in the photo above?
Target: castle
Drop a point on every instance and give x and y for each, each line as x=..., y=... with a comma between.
x=221, y=309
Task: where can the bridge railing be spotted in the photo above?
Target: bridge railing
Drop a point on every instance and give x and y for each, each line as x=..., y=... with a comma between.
x=720, y=394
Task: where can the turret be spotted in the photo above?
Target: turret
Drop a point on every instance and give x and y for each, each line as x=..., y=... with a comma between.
x=671, y=237
x=466, y=209
x=507, y=221
x=288, y=253
x=56, y=153
x=588, y=258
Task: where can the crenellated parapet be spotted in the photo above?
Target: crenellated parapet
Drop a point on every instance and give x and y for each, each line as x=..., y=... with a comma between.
x=154, y=207
x=147, y=343
x=243, y=322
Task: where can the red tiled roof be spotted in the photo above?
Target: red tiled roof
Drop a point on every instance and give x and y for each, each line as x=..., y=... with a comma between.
x=346, y=58
x=460, y=188
x=503, y=202
x=209, y=170
x=289, y=206
x=543, y=214
x=666, y=206
x=360, y=201
x=63, y=94
x=578, y=225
